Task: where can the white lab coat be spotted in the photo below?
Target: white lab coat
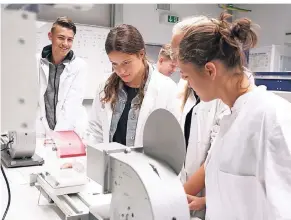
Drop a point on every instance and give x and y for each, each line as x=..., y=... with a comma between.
x=205, y=122
x=161, y=93
x=248, y=169
x=204, y=126
x=69, y=110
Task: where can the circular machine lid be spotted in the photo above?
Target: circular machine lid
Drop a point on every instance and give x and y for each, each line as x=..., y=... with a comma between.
x=163, y=139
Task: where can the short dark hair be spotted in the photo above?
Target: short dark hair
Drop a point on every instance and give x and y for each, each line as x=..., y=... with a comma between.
x=64, y=22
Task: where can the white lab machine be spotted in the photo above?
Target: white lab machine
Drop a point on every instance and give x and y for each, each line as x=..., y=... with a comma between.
x=143, y=181
x=18, y=89
x=136, y=182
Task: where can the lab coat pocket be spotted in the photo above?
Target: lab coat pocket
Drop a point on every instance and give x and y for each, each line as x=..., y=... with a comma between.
x=243, y=197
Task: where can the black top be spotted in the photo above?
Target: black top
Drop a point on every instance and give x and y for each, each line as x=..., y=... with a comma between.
x=121, y=130
x=187, y=125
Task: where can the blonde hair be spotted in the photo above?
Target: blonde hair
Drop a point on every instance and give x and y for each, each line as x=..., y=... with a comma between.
x=186, y=23
x=166, y=51
x=184, y=95
x=181, y=28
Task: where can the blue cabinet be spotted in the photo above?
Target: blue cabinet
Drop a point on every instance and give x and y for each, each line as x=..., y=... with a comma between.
x=276, y=81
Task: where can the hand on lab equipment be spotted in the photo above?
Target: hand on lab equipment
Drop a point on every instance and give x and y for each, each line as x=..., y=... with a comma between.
x=77, y=165
x=67, y=166
x=196, y=203
x=68, y=144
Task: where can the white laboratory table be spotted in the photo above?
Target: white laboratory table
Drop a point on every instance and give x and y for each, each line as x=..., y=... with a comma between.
x=26, y=201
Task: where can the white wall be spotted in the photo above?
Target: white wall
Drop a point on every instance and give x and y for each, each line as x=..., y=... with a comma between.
x=98, y=15
x=274, y=21
x=146, y=19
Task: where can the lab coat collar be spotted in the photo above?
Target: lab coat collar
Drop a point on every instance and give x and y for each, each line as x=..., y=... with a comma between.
x=46, y=55
x=243, y=99
x=240, y=102
x=44, y=64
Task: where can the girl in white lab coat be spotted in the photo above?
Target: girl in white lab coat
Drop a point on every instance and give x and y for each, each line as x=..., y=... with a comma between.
x=199, y=121
x=134, y=90
x=248, y=168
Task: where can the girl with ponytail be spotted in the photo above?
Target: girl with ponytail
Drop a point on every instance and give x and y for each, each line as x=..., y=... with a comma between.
x=248, y=168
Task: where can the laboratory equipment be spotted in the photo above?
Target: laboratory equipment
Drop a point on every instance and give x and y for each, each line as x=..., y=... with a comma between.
x=19, y=101
x=145, y=178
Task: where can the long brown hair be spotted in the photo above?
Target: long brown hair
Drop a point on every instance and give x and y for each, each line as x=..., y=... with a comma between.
x=126, y=39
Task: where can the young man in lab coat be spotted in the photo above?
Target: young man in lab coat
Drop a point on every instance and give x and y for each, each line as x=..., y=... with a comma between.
x=165, y=65
x=62, y=81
